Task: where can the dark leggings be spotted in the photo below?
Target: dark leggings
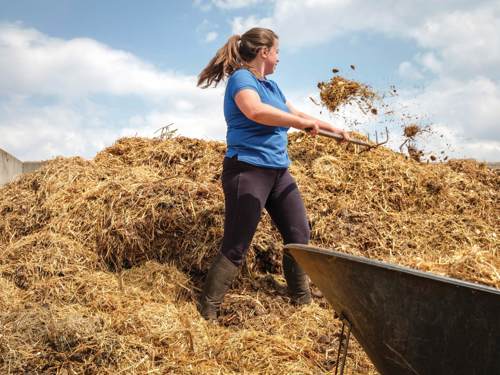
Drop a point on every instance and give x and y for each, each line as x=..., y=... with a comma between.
x=247, y=190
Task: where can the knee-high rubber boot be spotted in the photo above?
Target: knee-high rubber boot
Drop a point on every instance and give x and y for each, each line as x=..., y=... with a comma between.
x=297, y=281
x=219, y=278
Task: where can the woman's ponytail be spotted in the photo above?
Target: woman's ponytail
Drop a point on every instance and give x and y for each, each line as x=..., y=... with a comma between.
x=226, y=60
x=235, y=54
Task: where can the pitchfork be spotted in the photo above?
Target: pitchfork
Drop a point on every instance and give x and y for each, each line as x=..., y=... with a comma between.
x=355, y=141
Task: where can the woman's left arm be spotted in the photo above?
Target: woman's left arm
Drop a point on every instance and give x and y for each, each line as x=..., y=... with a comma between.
x=322, y=124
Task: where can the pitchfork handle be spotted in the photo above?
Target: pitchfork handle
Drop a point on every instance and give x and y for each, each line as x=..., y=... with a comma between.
x=338, y=137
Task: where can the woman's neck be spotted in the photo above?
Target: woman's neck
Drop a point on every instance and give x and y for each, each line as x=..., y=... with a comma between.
x=257, y=68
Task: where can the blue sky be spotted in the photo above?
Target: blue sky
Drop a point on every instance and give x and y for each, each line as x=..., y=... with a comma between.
x=76, y=75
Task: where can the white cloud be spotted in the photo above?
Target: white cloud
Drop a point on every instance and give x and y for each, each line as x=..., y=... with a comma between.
x=206, y=5
x=84, y=127
x=467, y=40
x=408, y=70
x=211, y=36
x=471, y=108
x=49, y=84
x=235, y=4
x=306, y=22
x=187, y=123
x=430, y=62
x=32, y=133
x=465, y=113
x=32, y=63
x=482, y=151
x=206, y=31
x=241, y=24
x=461, y=35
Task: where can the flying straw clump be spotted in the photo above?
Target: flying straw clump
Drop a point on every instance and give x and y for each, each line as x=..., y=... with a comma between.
x=411, y=130
x=410, y=133
x=340, y=91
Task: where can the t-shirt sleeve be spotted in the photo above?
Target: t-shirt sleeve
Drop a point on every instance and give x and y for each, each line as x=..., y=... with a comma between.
x=239, y=80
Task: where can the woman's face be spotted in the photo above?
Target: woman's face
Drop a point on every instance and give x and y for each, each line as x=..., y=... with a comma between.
x=271, y=57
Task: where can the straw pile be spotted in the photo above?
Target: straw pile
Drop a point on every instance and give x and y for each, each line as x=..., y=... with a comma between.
x=100, y=260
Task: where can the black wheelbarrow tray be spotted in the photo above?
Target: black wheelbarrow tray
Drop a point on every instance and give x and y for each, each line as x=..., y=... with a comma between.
x=408, y=321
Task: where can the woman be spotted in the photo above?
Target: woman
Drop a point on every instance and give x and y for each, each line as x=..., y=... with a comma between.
x=255, y=169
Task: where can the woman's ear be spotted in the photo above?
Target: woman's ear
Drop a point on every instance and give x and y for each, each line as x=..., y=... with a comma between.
x=264, y=52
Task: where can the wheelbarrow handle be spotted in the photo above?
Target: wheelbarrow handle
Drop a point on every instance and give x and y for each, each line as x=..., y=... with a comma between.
x=338, y=137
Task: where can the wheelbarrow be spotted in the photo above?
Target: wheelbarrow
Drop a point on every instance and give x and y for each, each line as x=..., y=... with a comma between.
x=408, y=321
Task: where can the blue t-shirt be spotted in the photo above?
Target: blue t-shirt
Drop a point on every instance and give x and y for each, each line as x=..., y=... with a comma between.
x=254, y=143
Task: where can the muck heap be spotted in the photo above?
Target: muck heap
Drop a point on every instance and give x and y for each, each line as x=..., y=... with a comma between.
x=101, y=260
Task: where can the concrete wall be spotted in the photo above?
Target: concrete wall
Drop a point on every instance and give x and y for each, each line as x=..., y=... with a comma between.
x=10, y=167
x=30, y=166
x=495, y=165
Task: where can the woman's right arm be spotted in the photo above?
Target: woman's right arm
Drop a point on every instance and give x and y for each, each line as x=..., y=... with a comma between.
x=248, y=101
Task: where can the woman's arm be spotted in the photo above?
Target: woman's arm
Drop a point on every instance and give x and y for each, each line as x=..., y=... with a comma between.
x=322, y=124
x=248, y=101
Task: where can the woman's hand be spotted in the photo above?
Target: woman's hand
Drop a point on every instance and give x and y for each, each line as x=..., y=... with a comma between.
x=311, y=126
x=344, y=134
x=335, y=130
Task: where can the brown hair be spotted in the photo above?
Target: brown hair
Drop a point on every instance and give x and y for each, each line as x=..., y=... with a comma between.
x=235, y=54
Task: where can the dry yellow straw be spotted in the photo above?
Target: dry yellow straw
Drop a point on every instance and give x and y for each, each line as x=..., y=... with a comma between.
x=100, y=260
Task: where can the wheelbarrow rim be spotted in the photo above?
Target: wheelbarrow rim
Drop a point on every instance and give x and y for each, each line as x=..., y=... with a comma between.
x=398, y=268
